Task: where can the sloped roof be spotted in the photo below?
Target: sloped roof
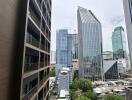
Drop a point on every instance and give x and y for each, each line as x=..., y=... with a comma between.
x=107, y=64
x=87, y=16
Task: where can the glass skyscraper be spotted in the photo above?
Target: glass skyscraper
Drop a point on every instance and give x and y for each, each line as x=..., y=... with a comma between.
x=119, y=43
x=63, y=49
x=90, y=45
x=74, y=46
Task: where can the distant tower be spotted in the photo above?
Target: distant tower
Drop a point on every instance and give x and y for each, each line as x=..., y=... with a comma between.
x=63, y=49
x=90, y=45
x=119, y=43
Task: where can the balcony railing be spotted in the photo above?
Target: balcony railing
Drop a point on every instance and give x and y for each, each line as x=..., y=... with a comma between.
x=41, y=64
x=30, y=93
x=43, y=47
x=30, y=66
x=33, y=41
x=34, y=17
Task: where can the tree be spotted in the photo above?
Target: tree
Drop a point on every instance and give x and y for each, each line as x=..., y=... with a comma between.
x=113, y=97
x=52, y=72
x=76, y=75
x=85, y=85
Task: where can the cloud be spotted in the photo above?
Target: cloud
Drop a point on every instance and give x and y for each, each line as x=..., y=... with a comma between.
x=118, y=20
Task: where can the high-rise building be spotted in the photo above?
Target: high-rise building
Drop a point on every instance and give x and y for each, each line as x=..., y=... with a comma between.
x=90, y=45
x=75, y=61
x=128, y=19
x=119, y=43
x=25, y=49
x=63, y=49
x=74, y=46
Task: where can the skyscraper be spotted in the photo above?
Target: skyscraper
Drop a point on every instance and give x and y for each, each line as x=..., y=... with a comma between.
x=63, y=49
x=25, y=49
x=128, y=18
x=90, y=45
x=119, y=43
x=75, y=61
x=74, y=46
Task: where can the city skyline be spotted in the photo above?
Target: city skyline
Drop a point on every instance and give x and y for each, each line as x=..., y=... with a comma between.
x=109, y=17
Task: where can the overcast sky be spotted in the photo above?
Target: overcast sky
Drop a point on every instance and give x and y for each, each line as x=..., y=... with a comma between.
x=109, y=12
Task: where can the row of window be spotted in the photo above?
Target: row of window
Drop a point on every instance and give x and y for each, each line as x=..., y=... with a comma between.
x=33, y=38
x=36, y=16
x=30, y=84
x=32, y=60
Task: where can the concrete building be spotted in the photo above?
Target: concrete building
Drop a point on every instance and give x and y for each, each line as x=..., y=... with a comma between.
x=128, y=19
x=107, y=55
x=63, y=50
x=90, y=45
x=119, y=43
x=25, y=49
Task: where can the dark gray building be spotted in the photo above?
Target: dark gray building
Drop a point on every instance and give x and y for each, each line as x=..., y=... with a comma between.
x=25, y=30
x=90, y=45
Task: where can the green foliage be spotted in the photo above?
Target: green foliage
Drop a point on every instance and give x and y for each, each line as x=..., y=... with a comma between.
x=90, y=95
x=113, y=97
x=81, y=89
x=52, y=72
x=85, y=85
x=76, y=75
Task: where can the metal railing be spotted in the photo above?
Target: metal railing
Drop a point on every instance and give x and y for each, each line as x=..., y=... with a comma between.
x=30, y=66
x=32, y=40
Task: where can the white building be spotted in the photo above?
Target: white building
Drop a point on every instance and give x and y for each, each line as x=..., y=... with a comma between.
x=64, y=79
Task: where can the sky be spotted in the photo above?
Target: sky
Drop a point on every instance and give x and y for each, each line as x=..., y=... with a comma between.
x=109, y=12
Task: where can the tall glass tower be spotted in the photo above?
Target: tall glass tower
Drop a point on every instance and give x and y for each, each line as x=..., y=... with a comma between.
x=119, y=43
x=63, y=49
x=90, y=45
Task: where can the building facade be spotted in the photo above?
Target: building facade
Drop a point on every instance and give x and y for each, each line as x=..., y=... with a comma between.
x=107, y=55
x=110, y=69
x=63, y=50
x=75, y=61
x=53, y=57
x=90, y=45
x=128, y=19
x=64, y=79
x=119, y=43
x=28, y=34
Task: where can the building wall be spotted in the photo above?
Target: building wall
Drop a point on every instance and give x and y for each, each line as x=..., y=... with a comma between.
x=25, y=49
x=63, y=81
x=36, y=56
x=112, y=73
x=128, y=19
x=12, y=25
x=74, y=46
x=90, y=45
